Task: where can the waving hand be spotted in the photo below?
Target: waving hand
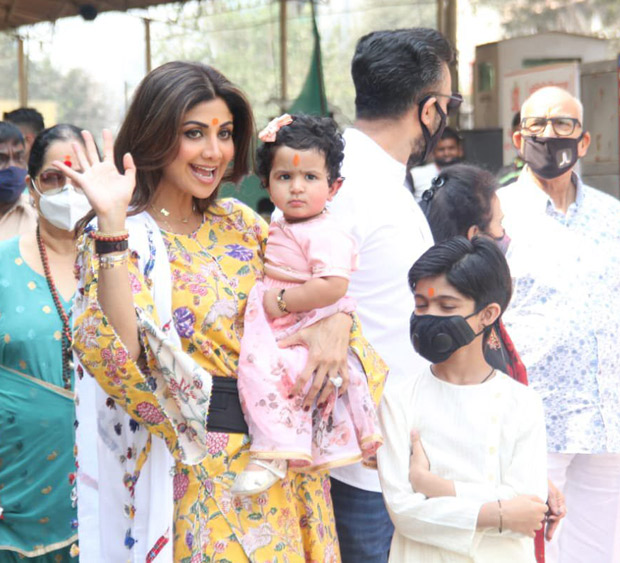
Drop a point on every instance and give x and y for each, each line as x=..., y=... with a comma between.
x=108, y=191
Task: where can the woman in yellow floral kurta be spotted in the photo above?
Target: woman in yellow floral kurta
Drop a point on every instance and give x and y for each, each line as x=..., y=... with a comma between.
x=215, y=254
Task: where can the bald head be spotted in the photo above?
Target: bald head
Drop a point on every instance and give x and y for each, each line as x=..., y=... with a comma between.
x=551, y=138
x=552, y=101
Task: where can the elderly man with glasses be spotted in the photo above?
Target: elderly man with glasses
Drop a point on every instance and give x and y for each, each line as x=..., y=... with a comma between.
x=565, y=318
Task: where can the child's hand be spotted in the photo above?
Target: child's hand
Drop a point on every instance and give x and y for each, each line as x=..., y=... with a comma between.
x=420, y=476
x=557, y=510
x=419, y=465
x=524, y=514
x=270, y=304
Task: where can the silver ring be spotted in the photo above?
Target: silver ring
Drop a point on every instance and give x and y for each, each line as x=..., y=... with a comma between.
x=336, y=382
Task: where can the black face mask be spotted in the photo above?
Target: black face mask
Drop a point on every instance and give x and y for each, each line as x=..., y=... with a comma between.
x=550, y=157
x=437, y=338
x=431, y=140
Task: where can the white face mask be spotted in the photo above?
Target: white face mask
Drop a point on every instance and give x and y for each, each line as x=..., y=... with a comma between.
x=65, y=208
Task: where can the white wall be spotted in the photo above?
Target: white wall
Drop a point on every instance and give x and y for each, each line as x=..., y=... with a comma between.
x=512, y=53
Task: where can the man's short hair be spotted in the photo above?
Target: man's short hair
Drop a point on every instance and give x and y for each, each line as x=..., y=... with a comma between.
x=29, y=117
x=392, y=70
x=450, y=133
x=9, y=133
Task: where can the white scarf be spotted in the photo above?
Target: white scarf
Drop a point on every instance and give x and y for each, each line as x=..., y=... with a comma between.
x=107, y=531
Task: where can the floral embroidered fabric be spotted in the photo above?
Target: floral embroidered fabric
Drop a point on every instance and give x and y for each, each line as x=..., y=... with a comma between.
x=212, y=271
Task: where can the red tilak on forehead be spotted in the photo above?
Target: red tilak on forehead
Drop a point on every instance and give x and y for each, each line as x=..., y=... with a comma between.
x=296, y=159
x=431, y=291
x=67, y=161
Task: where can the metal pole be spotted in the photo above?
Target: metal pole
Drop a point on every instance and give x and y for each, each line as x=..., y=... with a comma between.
x=22, y=76
x=451, y=25
x=283, y=70
x=324, y=109
x=447, y=25
x=441, y=17
x=451, y=13
x=147, y=41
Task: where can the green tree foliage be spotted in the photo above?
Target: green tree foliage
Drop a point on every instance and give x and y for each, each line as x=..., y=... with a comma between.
x=79, y=98
x=524, y=17
x=241, y=38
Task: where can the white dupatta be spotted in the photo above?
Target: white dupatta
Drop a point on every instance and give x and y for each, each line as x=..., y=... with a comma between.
x=114, y=525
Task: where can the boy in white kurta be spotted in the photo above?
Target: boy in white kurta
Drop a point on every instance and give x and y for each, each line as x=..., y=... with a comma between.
x=466, y=484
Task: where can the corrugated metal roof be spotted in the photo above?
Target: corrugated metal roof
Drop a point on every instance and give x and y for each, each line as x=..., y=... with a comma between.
x=15, y=13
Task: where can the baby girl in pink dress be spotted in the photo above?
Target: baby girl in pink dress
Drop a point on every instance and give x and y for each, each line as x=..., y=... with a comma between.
x=308, y=262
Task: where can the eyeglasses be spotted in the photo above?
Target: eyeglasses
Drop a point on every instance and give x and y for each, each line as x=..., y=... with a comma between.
x=53, y=181
x=454, y=100
x=562, y=126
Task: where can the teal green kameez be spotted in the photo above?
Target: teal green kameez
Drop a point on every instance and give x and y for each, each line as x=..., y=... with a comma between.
x=39, y=518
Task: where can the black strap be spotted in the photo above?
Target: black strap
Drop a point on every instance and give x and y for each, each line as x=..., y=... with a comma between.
x=225, y=414
x=107, y=246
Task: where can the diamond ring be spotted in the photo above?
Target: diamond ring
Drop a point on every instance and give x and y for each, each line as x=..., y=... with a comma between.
x=336, y=381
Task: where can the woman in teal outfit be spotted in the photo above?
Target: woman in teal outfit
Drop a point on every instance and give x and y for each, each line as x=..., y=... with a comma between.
x=37, y=283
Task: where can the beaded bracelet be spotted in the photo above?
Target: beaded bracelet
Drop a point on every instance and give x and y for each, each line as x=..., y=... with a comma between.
x=118, y=236
x=107, y=246
x=109, y=261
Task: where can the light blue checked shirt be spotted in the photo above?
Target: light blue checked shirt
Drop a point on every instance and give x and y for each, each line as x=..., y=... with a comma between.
x=564, y=317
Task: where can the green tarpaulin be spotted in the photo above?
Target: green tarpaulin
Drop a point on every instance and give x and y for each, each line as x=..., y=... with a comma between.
x=311, y=100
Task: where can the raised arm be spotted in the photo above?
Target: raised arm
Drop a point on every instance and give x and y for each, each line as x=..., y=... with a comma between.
x=109, y=193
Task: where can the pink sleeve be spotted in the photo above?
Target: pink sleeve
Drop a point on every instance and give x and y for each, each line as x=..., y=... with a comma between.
x=330, y=251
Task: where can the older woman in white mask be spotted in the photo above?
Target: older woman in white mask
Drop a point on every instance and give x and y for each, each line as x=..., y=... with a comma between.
x=37, y=285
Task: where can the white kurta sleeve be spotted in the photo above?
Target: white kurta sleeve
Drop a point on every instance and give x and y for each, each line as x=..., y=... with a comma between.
x=445, y=522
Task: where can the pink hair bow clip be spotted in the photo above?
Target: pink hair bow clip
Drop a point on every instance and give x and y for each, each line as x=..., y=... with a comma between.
x=268, y=134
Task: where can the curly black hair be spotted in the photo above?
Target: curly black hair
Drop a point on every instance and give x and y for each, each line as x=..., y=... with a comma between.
x=304, y=133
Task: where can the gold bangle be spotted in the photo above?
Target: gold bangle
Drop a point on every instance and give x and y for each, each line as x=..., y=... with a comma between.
x=501, y=519
x=280, y=301
x=112, y=260
x=102, y=235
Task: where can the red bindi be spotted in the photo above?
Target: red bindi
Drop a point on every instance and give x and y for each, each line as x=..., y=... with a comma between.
x=67, y=161
x=215, y=121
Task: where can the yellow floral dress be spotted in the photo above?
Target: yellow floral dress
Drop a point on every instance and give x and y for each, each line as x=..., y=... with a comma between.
x=213, y=271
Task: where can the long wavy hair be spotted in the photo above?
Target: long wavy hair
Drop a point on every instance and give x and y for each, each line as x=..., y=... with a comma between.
x=150, y=131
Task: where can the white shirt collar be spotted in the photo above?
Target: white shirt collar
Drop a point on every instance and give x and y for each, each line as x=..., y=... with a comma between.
x=536, y=199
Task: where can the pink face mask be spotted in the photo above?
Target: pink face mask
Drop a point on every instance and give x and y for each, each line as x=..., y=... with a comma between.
x=502, y=242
